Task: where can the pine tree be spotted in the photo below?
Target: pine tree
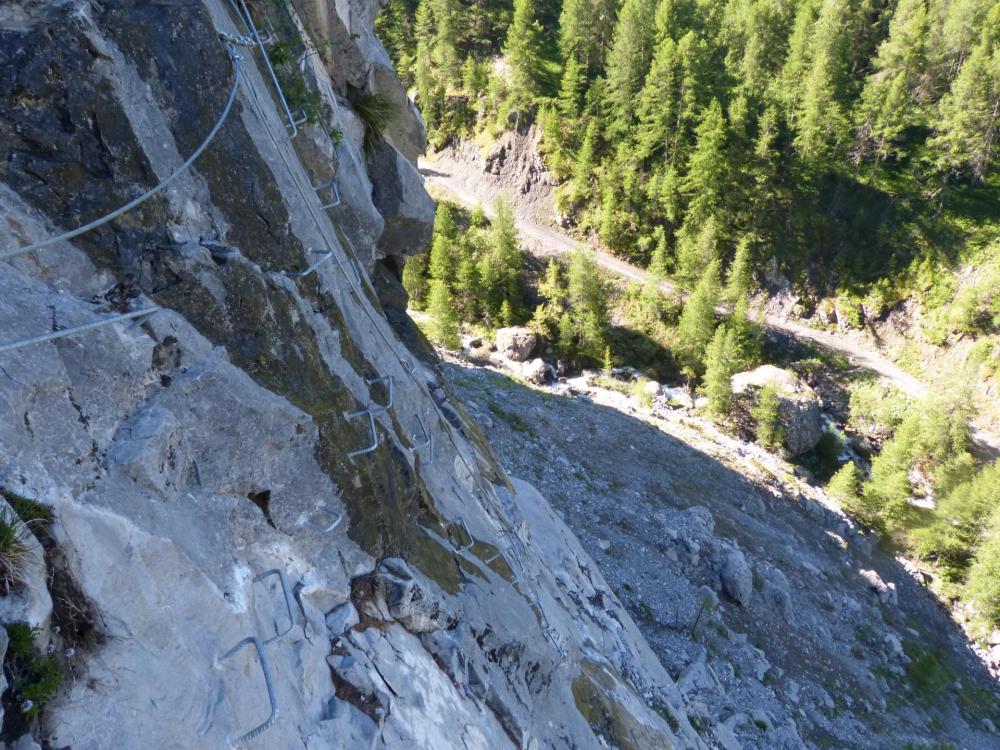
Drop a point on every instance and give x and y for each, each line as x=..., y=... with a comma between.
x=748, y=336
x=523, y=50
x=720, y=366
x=500, y=266
x=415, y=280
x=659, y=265
x=583, y=170
x=444, y=318
x=739, y=278
x=706, y=183
x=444, y=222
x=845, y=485
x=695, y=252
x=445, y=46
x=566, y=345
x=766, y=414
x=468, y=288
x=629, y=61
x=424, y=64
x=892, y=95
x=697, y=323
x=820, y=120
x=571, y=90
x=441, y=264
x=969, y=115
x=552, y=288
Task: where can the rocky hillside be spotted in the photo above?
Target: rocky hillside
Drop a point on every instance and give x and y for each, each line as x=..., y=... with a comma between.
x=256, y=517
x=784, y=624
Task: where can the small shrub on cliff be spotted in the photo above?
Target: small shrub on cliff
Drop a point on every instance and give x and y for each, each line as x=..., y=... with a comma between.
x=14, y=555
x=377, y=111
x=34, y=677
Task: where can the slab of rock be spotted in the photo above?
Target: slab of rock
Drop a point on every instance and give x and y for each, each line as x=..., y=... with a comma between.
x=399, y=195
x=516, y=343
x=799, y=411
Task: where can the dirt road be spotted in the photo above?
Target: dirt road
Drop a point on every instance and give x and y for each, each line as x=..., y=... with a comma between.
x=548, y=241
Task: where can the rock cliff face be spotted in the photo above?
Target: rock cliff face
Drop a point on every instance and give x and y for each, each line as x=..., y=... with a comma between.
x=197, y=461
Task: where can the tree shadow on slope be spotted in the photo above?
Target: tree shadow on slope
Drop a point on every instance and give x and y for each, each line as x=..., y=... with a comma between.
x=631, y=491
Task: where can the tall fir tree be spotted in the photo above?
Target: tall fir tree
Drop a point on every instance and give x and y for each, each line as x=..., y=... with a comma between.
x=444, y=327
x=721, y=363
x=969, y=115
x=628, y=62
x=893, y=95
x=697, y=322
x=523, y=50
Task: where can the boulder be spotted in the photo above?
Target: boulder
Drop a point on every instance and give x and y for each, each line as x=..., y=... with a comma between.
x=799, y=413
x=515, y=343
x=737, y=579
x=886, y=592
x=538, y=372
x=399, y=195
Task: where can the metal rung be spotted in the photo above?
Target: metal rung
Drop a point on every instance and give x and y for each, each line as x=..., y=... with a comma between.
x=334, y=193
x=547, y=630
x=460, y=522
x=371, y=424
x=139, y=316
x=510, y=556
x=388, y=380
x=326, y=255
x=288, y=602
x=425, y=441
x=293, y=124
x=337, y=518
x=266, y=669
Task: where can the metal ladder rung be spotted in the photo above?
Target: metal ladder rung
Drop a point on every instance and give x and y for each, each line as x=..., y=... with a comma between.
x=266, y=669
x=288, y=602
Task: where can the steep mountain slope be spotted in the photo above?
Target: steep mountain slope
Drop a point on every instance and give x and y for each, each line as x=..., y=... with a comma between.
x=784, y=625
x=189, y=456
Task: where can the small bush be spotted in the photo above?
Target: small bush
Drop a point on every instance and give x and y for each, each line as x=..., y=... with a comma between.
x=33, y=676
x=377, y=111
x=14, y=555
x=30, y=511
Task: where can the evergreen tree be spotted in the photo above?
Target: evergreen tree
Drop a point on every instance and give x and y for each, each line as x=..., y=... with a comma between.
x=697, y=323
x=748, y=336
x=696, y=251
x=468, y=288
x=720, y=366
x=500, y=266
x=444, y=318
x=628, y=62
x=441, y=265
x=892, y=94
x=821, y=118
x=523, y=50
x=845, y=485
x=445, y=46
x=572, y=88
x=766, y=414
x=444, y=222
x=969, y=115
x=566, y=344
x=415, y=280
x=739, y=278
x=707, y=178
x=659, y=266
